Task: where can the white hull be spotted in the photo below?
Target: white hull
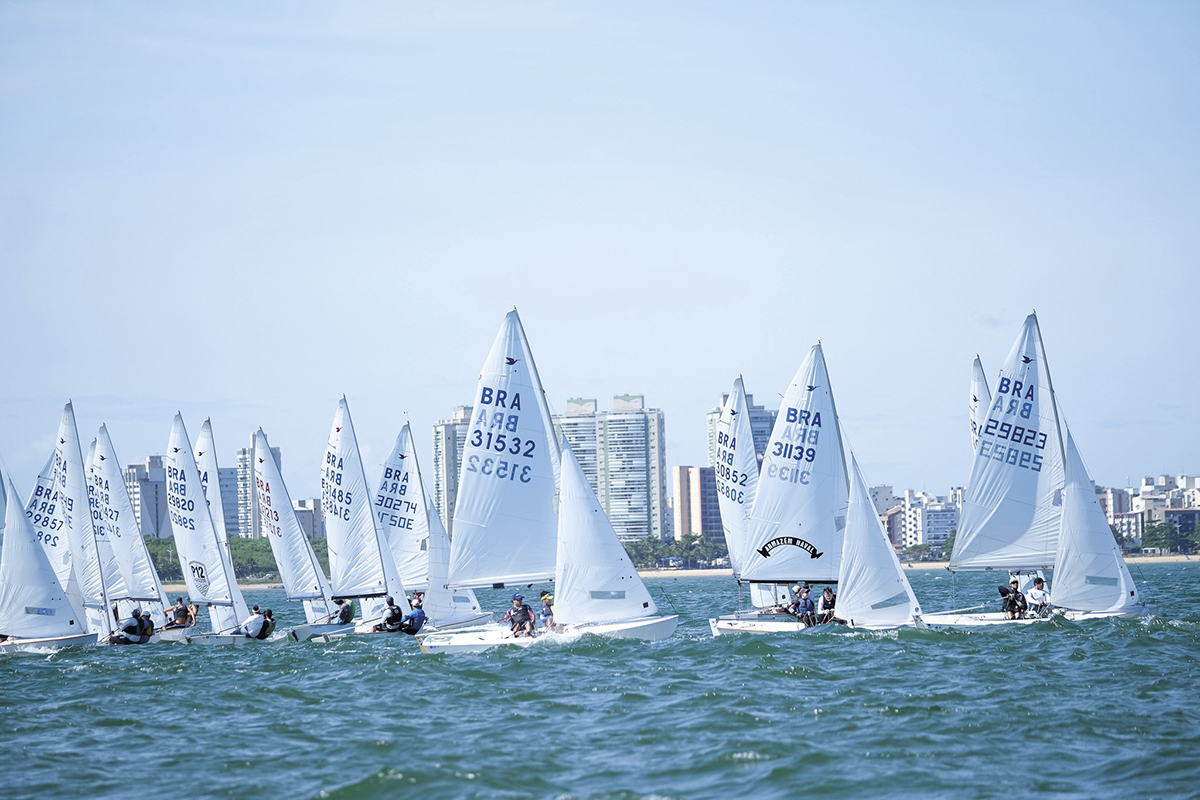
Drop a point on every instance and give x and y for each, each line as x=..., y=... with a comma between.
x=216, y=639
x=778, y=623
x=174, y=634
x=477, y=640
x=49, y=643
x=988, y=619
x=302, y=633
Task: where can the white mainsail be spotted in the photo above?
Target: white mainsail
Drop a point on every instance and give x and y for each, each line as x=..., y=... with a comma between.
x=981, y=402
x=122, y=532
x=417, y=537
x=1089, y=571
x=872, y=588
x=299, y=569
x=114, y=580
x=1011, y=512
x=505, y=524
x=360, y=561
x=60, y=512
x=204, y=558
x=799, y=512
x=595, y=581
x=736, y=474
x=33, y=603
x=210, y=479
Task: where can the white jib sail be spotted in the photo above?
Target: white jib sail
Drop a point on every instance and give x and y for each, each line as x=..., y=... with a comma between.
x=60, y=511
x=204, y=559
x=399, y=506
x=33, y=604
x=1011, y=513
x=981, y=402
x=299, y=569
x=872, y=589
x=122, y=530
x=359, y=559
x=1089, y=573
x=595, y=580
x=505, y=523
x=799, y=512
x=737, y=474
x=210, y=483
x=443, y=605
x=114, y=580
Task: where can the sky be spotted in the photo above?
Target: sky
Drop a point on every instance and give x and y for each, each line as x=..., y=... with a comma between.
x=245, y=211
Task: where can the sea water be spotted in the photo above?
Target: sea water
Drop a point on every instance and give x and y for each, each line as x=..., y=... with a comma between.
x=1104, y=708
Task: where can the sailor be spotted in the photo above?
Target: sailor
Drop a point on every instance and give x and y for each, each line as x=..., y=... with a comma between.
x=546, y=612
x=177, y=615
x=803, y=607
x=520, y=617
x=268, y=626
x=825, y=607
x=251, y=626
x=344, y=613
x=413, y=620
x=1013, y=604
x=1039, y=598
x=392, y=615
x=136, y=630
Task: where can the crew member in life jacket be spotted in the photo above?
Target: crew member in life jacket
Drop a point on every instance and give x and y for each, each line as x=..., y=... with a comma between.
x=414, y=619
x=520, y=617
x=392, y=615
x=825, y=608
x=177, y=615
x=268, y=626
x=344, y=613
x=803, y=608
x=137, y=630
x=546, y=612
x=1013, y=605
x=1039, y=598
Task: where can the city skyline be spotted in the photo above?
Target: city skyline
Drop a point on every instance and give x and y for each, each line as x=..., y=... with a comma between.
x=243, y=217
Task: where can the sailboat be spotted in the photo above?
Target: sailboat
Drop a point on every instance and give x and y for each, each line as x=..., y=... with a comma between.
x=360, y=562
x=418, y=540
x=35, y=611
x=120, y=538
x=598, y=590
x=1016, y=510
x=301, y=573
x=203, y=556
x=796, y=524
x=60, y=511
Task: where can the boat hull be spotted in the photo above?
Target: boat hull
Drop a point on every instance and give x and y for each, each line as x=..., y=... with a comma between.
x=174, y=634
x=219, y=639
x=304, y=633
x=779, y=623
x=990, y=619
x=48, y=643
x=477, y=640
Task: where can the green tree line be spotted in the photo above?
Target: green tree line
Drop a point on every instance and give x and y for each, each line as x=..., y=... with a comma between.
x=696, y=551
x=252, y=558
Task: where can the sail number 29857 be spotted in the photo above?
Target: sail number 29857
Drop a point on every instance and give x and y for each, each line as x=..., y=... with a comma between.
x=499, y=469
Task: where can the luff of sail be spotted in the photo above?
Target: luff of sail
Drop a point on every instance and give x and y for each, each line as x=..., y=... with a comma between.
x=123, y=533
x=980, y=403
x=298, y=567
x=360, y=562
x=59, y=508
x=505, y=524
x=799, y=512
x=595, y=581
x=872, y=587
x=33, y=603
x=1089, y=571
x=1011, y=511
x=209, y=577
x=736, y=474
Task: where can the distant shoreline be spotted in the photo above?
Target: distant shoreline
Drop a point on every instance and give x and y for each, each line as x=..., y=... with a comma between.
x=726, y=572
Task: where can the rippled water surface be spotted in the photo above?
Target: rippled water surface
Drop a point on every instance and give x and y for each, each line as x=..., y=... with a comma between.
x=1077, y=710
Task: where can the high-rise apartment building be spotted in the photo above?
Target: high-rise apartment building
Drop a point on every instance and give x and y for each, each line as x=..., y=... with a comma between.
x=629, y=462
x=310, y=516
x=927, y=519
x=696, y=509
x=227, y=482
x=147, y=486
x=762, y=420
x=449, y=439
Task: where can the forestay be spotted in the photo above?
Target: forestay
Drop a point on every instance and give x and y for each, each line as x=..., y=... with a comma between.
x=360, y=561
x=1089, y=572
x=799, y=512
x=121, y=527
x=504, y=517
x=736, y=474
x=33, y=603
x=981, y=402
x=60, y=513
x=299, y=570
x=204, y=559
x=1011, y=513
x=872, y=589
x=595, y=579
